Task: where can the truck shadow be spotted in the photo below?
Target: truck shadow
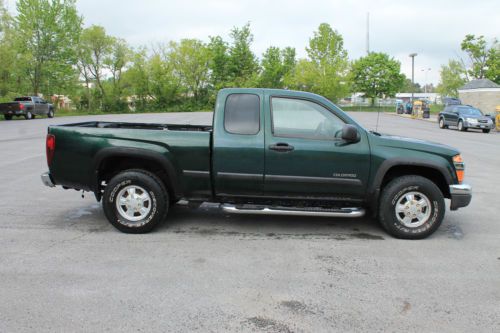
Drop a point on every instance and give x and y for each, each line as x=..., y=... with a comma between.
x=210, y=221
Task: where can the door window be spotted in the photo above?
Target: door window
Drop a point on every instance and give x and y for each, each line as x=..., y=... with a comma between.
x=297, y=118
x=242, y=114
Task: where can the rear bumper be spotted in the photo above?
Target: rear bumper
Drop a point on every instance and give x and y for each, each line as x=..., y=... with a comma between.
x=461, y=195
x=47, y=179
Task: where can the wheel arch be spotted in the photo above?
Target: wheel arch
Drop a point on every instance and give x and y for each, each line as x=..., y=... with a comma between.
x=110, y=161
x=391, y=169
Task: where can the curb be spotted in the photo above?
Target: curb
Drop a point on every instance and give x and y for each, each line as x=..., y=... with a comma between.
x=407, y=116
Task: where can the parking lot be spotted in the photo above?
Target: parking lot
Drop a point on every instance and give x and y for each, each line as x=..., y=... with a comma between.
x=64, y=268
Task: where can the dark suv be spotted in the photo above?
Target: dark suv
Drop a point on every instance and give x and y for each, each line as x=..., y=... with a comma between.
x=464, y=117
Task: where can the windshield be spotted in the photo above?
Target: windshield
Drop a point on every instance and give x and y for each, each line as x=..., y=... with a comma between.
x=23, y=99
x=470, y=111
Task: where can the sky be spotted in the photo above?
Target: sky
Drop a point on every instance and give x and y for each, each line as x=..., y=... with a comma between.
x=433, y=29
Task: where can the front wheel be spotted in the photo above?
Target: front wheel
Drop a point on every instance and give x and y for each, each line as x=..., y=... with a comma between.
x=486, y=130
x=51, y=113
x=135, y=201
x=411, y=207
x=461, y=126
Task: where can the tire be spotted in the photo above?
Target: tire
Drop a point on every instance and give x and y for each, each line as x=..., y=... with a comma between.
x=50, y=114
x=33, y=116
x=144, y=214
x=28, y=115
x=395, y=210
x=7, y=116
x=486, y=131
x=441, y=123
x=461, y=126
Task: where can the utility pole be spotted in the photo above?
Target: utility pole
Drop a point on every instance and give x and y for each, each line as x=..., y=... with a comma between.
x=368, y=33
x=426, y=71
x=412, y=56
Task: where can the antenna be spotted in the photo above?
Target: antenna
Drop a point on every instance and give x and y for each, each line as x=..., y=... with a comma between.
x=368, y=33
x=378, y=117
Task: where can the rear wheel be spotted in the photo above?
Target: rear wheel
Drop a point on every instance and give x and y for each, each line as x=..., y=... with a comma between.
x=28, y=115
x=411, y=207
x=441, y=124
x=51, y=113
x=486, y=130
x=135, y=201
x=461, y=126
x=8, y=116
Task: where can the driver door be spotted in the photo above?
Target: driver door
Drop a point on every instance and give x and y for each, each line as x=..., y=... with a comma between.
x=305, y=156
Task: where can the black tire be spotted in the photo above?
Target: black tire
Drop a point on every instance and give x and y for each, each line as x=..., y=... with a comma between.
x=154, y=188
x=396, y=191
x=7, y=116
x=50, y=114
x=33, y=116
x=486, y=130
x=28, y=115
x=441, y=123
x=461, y=126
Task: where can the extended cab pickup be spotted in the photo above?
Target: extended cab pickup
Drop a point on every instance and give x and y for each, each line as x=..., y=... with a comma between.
x=268, y=152
x=28, y=107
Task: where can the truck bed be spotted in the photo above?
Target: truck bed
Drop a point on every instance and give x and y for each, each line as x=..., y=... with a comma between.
x=81, y=146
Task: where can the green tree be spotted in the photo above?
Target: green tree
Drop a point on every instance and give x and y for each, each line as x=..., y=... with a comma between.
x=377, y=75
x=47, y=32
x=408, y=86
x=218, y=62
x=484, y=59
x=7, y=54
x=190, y=60
x=276, y=65
x=242, y=66
x=326, y=71
x=453, y=76
x=95, y=48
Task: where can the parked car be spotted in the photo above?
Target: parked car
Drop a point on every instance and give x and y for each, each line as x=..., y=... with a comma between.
x=268, y=152
x=28, y=107
x=464, y=117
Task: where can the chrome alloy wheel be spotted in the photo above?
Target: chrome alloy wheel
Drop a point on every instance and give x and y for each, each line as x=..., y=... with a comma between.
x=413, y=209
x=133, y=203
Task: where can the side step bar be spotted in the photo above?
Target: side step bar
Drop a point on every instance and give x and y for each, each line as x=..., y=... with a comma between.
x=262, y=210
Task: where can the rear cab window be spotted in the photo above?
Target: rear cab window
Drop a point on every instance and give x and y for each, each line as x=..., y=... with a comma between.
x=242, y=114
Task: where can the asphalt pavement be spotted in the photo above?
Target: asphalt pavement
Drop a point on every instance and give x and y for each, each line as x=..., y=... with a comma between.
x=64, y=268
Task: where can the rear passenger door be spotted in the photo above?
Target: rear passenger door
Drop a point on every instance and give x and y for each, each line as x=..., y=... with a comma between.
x=238, y=147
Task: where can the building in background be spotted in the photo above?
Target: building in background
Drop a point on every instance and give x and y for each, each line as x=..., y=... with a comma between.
x=482, y=94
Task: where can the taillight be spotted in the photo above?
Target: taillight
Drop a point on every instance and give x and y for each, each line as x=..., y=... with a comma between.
x=459, y=167
x=21, y=106
x=50, y=147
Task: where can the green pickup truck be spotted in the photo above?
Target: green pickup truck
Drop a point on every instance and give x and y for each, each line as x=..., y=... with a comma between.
x=268, y=152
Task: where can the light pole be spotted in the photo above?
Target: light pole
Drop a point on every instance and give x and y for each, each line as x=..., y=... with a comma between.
x=412, y=56
x=425, y=82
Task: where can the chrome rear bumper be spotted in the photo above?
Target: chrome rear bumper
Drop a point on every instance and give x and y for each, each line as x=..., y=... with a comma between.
x=47, y=180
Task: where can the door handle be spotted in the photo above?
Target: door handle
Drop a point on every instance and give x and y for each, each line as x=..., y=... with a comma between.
x=281, y=147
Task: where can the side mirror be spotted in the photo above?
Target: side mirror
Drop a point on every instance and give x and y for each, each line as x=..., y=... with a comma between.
x=350, y=133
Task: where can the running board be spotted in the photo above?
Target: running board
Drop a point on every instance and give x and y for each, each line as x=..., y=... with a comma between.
x=262, y=210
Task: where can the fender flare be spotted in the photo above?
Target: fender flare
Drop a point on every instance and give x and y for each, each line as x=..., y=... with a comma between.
x=374, y=189
x=110, y=152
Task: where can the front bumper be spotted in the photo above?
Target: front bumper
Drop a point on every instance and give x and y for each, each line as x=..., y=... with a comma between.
x=47, y=180
x=461, y=195
x=479, y=125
